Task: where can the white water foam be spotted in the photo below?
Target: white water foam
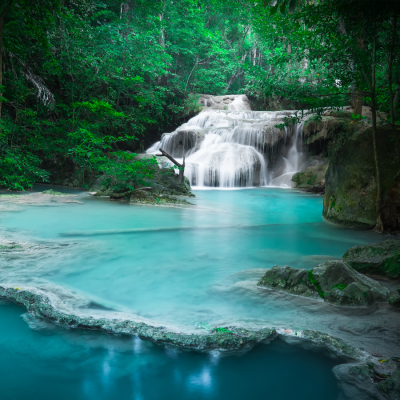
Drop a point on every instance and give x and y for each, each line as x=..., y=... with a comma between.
x=233, y=148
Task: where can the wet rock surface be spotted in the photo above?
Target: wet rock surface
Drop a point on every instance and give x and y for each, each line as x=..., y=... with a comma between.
x=222, y=338
x=312, y=172
x=46, y=198
x=335, y=282
x=350, y=181
x=382, y=259
x=376, y=379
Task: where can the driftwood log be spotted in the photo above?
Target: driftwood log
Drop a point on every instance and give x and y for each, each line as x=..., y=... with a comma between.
x=181, y=166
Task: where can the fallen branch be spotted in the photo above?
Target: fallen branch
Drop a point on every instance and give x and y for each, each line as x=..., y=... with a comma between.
x=179, y=165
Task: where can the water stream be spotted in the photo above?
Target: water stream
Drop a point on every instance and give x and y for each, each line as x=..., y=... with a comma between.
x=236, y=147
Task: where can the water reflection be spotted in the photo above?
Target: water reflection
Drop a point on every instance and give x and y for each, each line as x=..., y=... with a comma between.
x=65, y=364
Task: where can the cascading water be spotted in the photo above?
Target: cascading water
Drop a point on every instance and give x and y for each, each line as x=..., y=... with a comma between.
x=228, y=145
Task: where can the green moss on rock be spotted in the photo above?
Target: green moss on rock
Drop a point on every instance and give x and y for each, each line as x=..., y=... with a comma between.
x=52, y=192
x=350, y=182
x=379, y=258
x=334, y=281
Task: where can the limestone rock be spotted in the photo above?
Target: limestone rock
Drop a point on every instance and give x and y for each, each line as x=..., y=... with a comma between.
x=344, y=286
x=370, y=380
x=394, y=299
x=391, y=386
x=312, y=172
x=288, y=279
x=334, y=281
x=226, y=102
x=379, y=258
x=350, y=181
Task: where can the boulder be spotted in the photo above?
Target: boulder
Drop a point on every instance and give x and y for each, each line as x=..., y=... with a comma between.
x=312, y=172
x=390, y=387
x=350, y=181
x=334, y=281
x=290, y=280
x=382, y=259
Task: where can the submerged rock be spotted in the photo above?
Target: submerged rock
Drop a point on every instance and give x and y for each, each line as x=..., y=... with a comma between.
x=222, y=338
x=335, y=281
x=379, y=258
x=46, y=198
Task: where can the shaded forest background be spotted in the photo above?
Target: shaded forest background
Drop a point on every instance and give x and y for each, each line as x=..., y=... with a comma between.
x=86, y=84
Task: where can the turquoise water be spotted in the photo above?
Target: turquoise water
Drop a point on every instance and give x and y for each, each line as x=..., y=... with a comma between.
x=191, y=265
x=47, y=363
x=202, y=269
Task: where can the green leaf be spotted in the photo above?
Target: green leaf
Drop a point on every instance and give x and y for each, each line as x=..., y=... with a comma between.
x=274, y=9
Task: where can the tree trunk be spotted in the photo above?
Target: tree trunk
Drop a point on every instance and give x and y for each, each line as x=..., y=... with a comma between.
x=380, y=225
x=390, y=81
x=179, y=165
x=357, y=103
x=2, y=16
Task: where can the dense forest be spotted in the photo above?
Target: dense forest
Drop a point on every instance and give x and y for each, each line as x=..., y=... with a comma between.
x=87, y=84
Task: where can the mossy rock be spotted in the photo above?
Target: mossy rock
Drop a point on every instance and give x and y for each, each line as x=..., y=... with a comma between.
x=52, y=192
x=382, y=259
x=10, y=248
x=394, y=298
x=350, y=182
x=153, y=198
x=305, y=179
x=9, y=196
x=164, y=182
x=335, y=281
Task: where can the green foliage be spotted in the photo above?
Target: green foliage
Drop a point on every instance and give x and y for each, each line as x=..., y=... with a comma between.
x=87, y=83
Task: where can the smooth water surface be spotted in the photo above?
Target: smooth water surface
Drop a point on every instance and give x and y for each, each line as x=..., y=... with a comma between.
x=192, y=265
x=44, y=362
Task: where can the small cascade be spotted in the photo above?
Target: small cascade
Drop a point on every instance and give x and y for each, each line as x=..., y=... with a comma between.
x=227, y=145
x=292, y=160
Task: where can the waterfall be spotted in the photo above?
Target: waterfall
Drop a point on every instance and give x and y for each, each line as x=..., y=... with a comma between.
x=227, y=145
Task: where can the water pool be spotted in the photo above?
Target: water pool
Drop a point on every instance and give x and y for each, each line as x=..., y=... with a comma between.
x=183, y=268
x=193, y=265
x=43, y=362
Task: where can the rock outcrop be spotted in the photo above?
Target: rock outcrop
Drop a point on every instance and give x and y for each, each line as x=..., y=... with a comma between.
x=163, y=188
x=381, y=259
x=378, y=380
x=221, y=338
x=394, y=299
x=350, y=181
x=334, y=281
x=313, y=172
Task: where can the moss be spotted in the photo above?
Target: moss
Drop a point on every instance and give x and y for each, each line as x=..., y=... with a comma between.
x=315, y=283
x=9, y=196
x=10, y=248
x=53, y=193
x=340, y=286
